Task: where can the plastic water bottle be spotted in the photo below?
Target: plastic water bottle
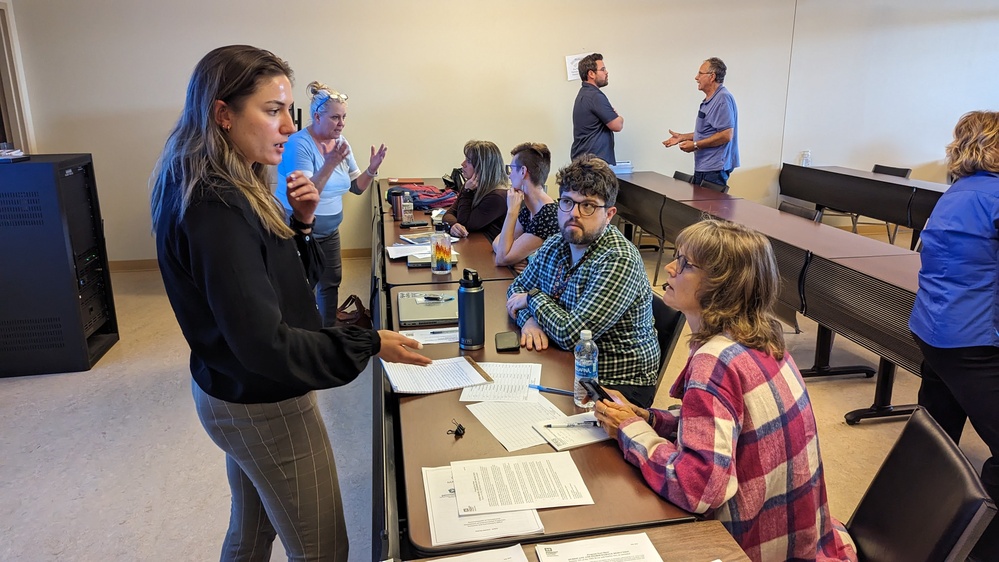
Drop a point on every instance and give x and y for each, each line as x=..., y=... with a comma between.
x=407, y=207
x=440, y=250
x=806, y=158
x=586, y=366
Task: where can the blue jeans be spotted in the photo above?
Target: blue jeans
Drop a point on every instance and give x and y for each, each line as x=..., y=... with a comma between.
x=328, y=290
x=720, y=177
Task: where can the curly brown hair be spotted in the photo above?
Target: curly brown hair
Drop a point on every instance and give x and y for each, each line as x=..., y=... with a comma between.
x=976, y=144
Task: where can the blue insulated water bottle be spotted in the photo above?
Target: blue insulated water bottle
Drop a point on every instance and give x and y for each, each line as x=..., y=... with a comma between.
x=471, y=312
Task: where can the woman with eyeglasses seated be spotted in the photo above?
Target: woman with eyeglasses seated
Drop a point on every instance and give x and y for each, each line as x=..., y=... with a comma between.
x=531, y=214
x=743, y=447
x=322, y=153
x=481, y=203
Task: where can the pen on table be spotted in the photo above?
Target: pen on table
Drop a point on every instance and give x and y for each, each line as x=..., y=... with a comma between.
x=551, y=390
x=587, y=423
x=448, y=331
x=438, y=298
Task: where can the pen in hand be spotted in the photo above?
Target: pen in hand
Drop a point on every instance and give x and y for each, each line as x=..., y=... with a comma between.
x=587, y=423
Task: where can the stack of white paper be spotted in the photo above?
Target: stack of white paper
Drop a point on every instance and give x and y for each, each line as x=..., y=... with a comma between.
x=511, y=383
x=633, y=548
x=440, y=376
x=563, y=438
x=512, y=423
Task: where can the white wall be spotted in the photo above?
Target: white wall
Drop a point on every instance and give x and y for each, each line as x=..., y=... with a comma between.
x=860, y=82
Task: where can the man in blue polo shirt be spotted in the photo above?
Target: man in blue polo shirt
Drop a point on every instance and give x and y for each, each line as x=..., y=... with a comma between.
x=715, y=140
x=594, y=121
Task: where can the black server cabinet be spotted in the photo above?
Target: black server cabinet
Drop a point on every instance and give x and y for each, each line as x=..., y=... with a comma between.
x=57, y=312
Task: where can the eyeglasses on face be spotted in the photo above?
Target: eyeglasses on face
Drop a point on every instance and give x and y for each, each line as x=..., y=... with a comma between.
x=682, y=262
x=585, y=207
x=708, y=72
x=510, y=168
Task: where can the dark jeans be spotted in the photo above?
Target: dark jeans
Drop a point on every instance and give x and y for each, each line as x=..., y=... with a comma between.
x=720, y=177
x=959, y=384
x=327, y=292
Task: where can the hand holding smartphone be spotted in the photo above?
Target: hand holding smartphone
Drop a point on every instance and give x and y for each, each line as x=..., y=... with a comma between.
x=595, y=391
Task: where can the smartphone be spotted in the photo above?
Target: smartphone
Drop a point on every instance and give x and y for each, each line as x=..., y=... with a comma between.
x=507, y=341
x=595, y=391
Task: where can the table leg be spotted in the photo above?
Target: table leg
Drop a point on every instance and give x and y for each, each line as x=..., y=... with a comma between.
x=823, y=349
x=882, y=406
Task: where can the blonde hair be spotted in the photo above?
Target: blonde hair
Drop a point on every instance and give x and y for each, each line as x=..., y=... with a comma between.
x=320, y=93
x=740, y=284
x=976, y=144
x=199, y=154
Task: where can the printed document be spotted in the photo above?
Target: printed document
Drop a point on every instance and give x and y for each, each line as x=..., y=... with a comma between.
x=440, y=376
x=517, y=483
x=510, y=383
x=563, y=438
x=513, y=553
x=446, y=527
x=620, y=548
x=433, y=335
x=512, y=423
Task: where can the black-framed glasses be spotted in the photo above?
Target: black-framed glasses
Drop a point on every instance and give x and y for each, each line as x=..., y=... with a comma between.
x=683, y=262
x=510, y=168
x=585, y=207
x=708, y=72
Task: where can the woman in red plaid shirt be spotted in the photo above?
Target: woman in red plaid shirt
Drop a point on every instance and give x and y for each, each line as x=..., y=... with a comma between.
x=744, y=447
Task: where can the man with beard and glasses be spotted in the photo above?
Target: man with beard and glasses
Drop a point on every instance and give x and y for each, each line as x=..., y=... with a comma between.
x=594, y=120
x=591, y=278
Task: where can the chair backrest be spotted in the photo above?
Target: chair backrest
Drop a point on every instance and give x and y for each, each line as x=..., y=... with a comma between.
x=892, y=171
x=714, y=186
x=925, y=503
x=678, y=175
x=804, y=212
x=669, y=323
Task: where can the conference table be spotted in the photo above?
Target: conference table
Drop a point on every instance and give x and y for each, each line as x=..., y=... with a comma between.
x=901, y=201
x=860, y=288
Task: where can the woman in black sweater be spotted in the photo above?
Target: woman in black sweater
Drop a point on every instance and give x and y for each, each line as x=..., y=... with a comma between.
x=240, y=282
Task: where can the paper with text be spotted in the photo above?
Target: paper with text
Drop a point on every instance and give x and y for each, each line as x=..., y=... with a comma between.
x=510, y=383
x=520, y=482
x=512, y=423
x=563, y=438
x=619, y=548
x=433, y=335
x=446, y=527
x=513, y=553
x=440, y=376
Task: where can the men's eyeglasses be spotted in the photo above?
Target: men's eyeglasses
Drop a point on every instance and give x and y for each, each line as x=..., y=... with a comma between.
x=708, y=72
x=683, y=262
x=510, y=168
x=585, y=207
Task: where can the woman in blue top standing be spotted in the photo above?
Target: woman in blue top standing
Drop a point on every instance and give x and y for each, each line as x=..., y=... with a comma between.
x=956, y=313
x=322, y=153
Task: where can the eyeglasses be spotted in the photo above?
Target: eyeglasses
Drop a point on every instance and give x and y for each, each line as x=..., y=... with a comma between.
x=334, y=95
x=510, y=168
x=585, y=207
x=683, y=262
x=708, y=72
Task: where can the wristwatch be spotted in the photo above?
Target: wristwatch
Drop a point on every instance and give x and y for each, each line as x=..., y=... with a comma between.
x=533, y=292
x=299, y=226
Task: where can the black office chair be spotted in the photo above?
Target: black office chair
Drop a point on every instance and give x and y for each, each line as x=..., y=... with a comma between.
x=803, y=212
x=715, y=186
x=669, y=323
x=925, y=503
x=678, y=175
x=898, y=173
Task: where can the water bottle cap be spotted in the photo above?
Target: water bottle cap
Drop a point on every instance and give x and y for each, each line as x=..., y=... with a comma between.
x=440, y=227
x=470, y=279
x=585, y=335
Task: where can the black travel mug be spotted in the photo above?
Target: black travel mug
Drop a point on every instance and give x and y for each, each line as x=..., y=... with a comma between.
x=471, y=312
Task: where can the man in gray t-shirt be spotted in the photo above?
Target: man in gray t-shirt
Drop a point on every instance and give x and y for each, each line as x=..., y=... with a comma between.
x=594, y=121
x=715, y=140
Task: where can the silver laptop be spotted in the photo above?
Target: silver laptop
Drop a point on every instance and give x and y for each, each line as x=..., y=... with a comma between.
x=427, y=308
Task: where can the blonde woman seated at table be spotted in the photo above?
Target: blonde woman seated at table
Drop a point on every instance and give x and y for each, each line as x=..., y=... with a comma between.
x=531, y=214
x=481, y=203
x=744, y=447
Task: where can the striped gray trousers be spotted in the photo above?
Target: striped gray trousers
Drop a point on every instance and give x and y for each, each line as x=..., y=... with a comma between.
x=282, y=476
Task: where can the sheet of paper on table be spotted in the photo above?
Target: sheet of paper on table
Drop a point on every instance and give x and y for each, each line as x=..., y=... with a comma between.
x=620, y=548
x=440, y=376
x=510, y=383
x=512, y=423
x=513, y=553
x=519, y=482
x=433, y=335
x=565, y=438
x=447, y=526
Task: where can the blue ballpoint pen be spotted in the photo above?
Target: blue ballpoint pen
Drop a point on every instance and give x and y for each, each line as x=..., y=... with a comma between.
x=551, y=390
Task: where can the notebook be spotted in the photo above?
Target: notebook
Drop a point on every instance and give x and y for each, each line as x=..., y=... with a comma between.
x=423, y=260
x=432, y=308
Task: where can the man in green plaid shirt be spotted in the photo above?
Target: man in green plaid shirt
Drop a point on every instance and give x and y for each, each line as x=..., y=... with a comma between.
x=591, y=278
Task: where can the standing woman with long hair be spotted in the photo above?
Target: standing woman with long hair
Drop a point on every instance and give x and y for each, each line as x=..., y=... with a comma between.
x=239, y=280
x=481, y=203
x=322, y=153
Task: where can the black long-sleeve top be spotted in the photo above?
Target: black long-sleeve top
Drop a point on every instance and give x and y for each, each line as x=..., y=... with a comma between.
x=243, y=299
x=486, y=217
